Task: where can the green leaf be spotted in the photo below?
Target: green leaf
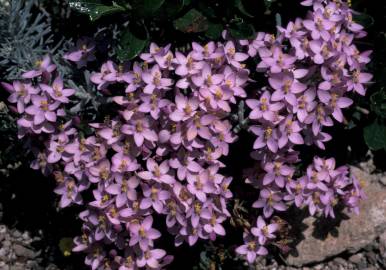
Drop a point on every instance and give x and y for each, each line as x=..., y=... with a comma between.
x=94, y=9
x=375, y=136
x=214, y=31
x=240, y=6
x=207, y=10
x=378, y=103
x=192, y=22
x=146, y=8
x=364, y=19
x=242, y=31
x=131, y=44
x=171, y=8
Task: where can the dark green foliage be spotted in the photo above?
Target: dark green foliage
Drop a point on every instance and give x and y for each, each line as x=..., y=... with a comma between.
x=372, y=17
x=94, y=9
x=131, y=44
x=177, y=21
x=375, y=135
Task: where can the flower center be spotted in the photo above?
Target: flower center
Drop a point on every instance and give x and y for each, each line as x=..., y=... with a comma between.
x=139, y=126
x=157, y=79
x=44, y=105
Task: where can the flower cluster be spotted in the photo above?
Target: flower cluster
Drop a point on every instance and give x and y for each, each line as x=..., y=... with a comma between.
x=158, y=155
x=159, y=152
x=40, y=104
x=311, y=66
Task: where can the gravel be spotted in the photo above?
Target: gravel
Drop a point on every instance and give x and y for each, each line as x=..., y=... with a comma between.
x=17, y=252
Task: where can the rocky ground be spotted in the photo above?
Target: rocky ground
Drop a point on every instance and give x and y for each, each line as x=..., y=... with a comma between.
x=350, y=242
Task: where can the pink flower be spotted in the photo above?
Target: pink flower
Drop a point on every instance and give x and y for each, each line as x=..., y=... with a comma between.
x=140, y=129
x=143, y=233
x=20, y=94
x=263, y=230
x=158, y=173
x=82, y=53
x=57, y=91
x=44, y=67
x=153, y=79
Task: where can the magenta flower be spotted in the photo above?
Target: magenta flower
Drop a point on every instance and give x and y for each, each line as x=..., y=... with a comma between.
x=305, y=105
x=199, y=185
x=100, y=78
x=122, y=163
x=111, y=133
x=150, y=258
x=266, y=136
x=154, y=196
x=153, y=104
x=44, y=67
x=251, y=249
x=185, y=108
x=357, y=81
x=134, y=78
x=143, y=233
x=319, y=26
x=158, y=173
x=278, y=173
x=57, y=91
x=203, y=52
x=213, y=226
x=100, y=172
x=297, y=191
x=263, y=108
x=336, y=102
x=186, y=65
x=56, y=151
x=269, y=201
x=140, y=129
x=184, y=164
x=82, y=53
x=235, y=81
x=124, y=189
x=42, y=109
x=286, y=87
x=278, y=61
x=69, y=193
x=207, y=78
x=290, y=131
x=153, y=79
x=264, y=231
x=232, y=56
x=20, y=94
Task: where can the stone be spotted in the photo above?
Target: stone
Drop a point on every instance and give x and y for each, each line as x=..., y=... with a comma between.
x=352, y=234
x=24, y=252
x=16, y=234
x=17, y=267
x=6, y=243
x=26, y=236
x=382, y=244
x=357, y=258
x=382, y=180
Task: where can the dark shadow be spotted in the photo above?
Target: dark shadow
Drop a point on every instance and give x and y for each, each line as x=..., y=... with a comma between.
x=29, y=204
x=323, y=227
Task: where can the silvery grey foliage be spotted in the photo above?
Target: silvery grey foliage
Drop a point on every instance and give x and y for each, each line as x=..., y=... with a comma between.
x=24, y=36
